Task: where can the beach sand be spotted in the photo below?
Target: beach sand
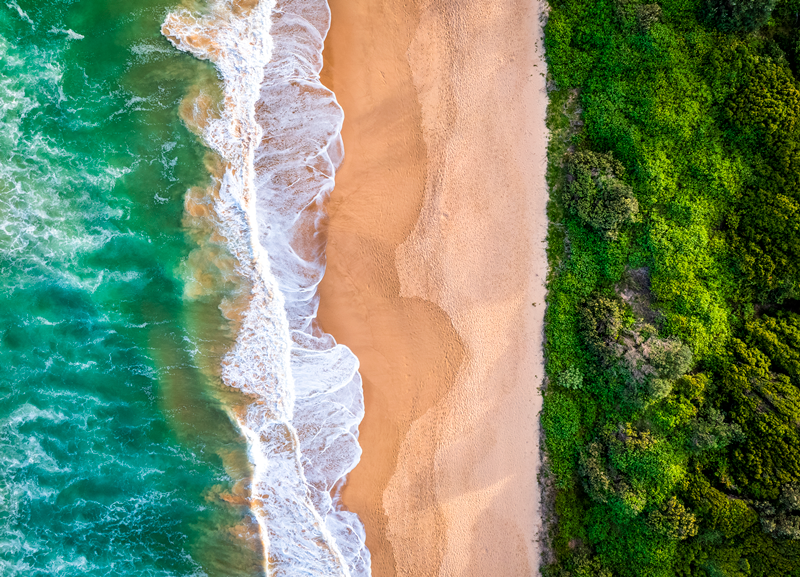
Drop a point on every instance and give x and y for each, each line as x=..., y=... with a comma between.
x=435, y=279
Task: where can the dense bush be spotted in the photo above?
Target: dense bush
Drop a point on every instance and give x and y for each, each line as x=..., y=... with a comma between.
x=768, y=241
x=739, y=15
x=768, y=102
x=779, y=338
x=765, y=111
x=674, y=520
x=766, y=406
x=601, y=320
x=672, y=417
x=596, y=192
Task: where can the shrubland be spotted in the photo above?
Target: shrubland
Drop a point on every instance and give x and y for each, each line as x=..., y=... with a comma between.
x=672, y=409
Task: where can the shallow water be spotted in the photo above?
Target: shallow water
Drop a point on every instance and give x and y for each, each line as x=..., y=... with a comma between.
x=169, y=405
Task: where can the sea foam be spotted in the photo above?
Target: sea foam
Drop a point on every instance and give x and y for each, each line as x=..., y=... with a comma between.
x=278, y=134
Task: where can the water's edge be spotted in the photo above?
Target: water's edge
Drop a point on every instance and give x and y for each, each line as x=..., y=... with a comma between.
x=278, y=135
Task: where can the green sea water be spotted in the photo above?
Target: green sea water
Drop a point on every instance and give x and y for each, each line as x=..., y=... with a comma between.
x=116, y=450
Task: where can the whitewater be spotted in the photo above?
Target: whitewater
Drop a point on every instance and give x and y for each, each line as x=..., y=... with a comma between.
x=277, y=133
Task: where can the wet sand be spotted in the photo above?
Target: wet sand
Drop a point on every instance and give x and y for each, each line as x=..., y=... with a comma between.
x=436, y=258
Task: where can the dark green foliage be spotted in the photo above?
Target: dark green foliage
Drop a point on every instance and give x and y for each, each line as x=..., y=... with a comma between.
x=779, y=338
x=719, y=512
x=766, y=406
x=601, y=320
x=739, y=15
x=712, y=432
x=767, y=229
x=768, y=240
x=768, y=102
x=596, y=193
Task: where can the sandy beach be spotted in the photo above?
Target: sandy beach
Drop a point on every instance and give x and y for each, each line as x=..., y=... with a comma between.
x=435, y=279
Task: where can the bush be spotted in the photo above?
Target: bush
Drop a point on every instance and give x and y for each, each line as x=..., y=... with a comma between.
x=717, y=510
x=779, y=338
x=596, y=194
x=601, y=320
x=782, y=520
x=561, y=424
x=572, y=378
x=671, y=359
x=647, y=15
x=768, y=244
x=739, y=15
x=712, y=433
x=768, y=102
x=674, y=520
x=767, y=408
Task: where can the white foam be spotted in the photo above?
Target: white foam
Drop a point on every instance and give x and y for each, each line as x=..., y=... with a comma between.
x=22, y=14
x=279, y=136
x=47, y=205
x=71, y=34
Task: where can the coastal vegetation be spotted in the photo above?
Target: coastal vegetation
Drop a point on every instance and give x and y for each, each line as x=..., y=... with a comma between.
x=672, y=410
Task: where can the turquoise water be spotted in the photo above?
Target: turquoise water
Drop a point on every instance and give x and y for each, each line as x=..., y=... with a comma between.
x=117, y=455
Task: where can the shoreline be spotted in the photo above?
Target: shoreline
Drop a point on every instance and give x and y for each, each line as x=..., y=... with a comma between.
x=435, y=256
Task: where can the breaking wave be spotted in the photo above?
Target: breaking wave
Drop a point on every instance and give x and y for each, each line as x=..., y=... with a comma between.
x=277, y=132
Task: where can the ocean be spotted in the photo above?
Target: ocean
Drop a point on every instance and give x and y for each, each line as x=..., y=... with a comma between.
x=168, y=404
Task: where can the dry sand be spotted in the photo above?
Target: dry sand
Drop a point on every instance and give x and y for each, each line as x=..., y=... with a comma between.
x=436, y=257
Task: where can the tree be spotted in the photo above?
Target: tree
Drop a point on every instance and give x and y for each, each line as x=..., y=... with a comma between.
x=768, y=103
x=630, y=470
x=596, y=193
x=717, y=510
x=601, y=320
x=779, y=338
x=739, y=15
x=674, y=520
x=766, y=406
x=767, y=244
x=782, y=519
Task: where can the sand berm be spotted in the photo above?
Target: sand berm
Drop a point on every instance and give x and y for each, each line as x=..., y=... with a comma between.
x=435, y=279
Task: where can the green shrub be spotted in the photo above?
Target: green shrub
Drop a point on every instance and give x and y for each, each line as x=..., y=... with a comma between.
x=767, y=408
x=601, y=319
x=739, y=15
x=596, y=193
x=674, y=520
x=572, y=378
x=768, y=102
x=561, y=423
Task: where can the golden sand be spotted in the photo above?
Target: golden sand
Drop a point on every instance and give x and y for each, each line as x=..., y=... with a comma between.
x=436, y=257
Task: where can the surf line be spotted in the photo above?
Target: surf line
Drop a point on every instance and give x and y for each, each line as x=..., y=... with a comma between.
x=278, y=134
